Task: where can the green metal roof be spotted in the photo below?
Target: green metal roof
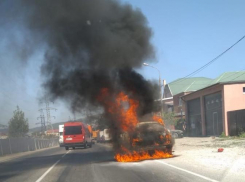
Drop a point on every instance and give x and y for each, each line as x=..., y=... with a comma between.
x=197, y=83
x=188, y=84
x=230, y=77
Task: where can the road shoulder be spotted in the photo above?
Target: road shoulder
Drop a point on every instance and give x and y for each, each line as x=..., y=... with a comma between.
x=22, y=154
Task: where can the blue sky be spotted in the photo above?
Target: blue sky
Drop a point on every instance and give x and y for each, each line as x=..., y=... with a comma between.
x=187, y=34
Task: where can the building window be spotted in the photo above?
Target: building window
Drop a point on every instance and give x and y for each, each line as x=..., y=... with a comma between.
x=244, y=90
x=180, y=101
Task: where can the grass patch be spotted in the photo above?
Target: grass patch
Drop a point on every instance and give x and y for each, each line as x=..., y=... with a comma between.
x=242, y=135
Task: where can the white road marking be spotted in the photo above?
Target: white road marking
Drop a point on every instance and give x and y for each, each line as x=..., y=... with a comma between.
x=195, y=174
x=65, y=153
x=41, y=178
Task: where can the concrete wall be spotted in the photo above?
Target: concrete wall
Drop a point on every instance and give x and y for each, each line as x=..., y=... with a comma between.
x=232, y=96
x=203, y=92
x=234, y=99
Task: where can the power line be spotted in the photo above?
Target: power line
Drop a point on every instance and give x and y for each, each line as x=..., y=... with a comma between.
x=47, y=108
x=42, y=122
x=212, y=61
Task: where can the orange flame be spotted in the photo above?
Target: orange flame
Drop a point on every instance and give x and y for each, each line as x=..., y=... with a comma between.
x=90, y=128
x=158, y=119
x=168, y=139
x=156, y=144
x=126, y=117
x=161, y=137
x=134, y=141
x=128, y=120
x=139, y=156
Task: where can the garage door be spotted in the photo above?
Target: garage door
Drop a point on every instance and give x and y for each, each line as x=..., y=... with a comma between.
x=194, y=117
x=213, y=114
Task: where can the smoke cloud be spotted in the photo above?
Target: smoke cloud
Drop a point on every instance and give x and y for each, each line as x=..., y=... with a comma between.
x=92, y=45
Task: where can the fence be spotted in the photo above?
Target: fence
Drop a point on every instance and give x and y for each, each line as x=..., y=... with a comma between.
x=16, y=145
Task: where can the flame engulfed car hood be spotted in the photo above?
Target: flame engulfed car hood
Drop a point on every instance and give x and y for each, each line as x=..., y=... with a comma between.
x=149, y=126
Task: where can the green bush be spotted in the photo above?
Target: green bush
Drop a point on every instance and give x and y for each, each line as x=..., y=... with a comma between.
x=222, y=135
x=242, y=134
x=169, y=118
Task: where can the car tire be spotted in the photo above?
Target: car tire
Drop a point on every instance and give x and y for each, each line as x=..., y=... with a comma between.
x=169, y=149
x=73, y=148
x=67, y=148
x=90, y=145
x=85, y=146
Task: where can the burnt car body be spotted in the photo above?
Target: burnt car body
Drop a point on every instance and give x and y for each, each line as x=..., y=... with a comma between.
x=150, y=136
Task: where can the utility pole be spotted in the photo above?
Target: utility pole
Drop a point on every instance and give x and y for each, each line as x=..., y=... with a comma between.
x=160, y=87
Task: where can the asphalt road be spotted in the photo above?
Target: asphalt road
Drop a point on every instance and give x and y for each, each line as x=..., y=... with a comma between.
x=92, y=164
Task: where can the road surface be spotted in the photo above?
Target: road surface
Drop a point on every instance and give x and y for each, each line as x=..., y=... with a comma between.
x=94, y=164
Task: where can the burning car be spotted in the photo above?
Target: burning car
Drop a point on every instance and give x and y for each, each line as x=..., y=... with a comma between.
x=152, y=136
x=150, y=140
x=135, y=137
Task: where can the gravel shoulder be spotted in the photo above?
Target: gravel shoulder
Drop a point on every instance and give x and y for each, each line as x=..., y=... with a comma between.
x=202, y=154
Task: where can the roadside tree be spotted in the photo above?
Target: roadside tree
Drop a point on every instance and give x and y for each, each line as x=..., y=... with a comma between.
x=169, y=118
x=18, y=124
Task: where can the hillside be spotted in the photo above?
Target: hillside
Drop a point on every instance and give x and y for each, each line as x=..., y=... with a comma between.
x=55, y=126
x=31, y=130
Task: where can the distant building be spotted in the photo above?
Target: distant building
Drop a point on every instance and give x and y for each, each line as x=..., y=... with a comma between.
x=3, y=135
x=3, y=131
x=217, y=108
x=178, y=105
x=54, y=132
x=173, y=92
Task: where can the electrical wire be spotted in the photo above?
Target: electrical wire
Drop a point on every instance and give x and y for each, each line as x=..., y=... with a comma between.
x=210, y=62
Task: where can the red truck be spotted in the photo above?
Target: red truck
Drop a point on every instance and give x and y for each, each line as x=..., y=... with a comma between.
x=76, y=134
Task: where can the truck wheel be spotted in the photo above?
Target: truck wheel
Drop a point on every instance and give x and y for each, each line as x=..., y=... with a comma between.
x=73, y=148
x=67, y=148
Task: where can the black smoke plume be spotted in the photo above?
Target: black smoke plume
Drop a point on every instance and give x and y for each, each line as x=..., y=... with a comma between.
x=92, y=44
